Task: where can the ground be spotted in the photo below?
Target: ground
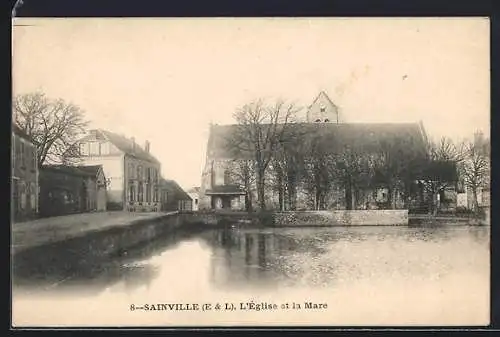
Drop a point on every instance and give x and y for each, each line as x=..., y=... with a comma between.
x=42, y=231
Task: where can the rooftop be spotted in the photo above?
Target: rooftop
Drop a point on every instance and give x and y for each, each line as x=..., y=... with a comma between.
x=366, y=136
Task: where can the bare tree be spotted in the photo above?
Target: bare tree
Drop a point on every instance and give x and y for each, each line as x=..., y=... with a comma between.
x=243, y=173
x=440, y=170
x=259, y=131
x=475, y=166
x=446, y=150
x=53, y=125
x=317, y=176
x=398, y=164
x=354, y=169
x=287, y=167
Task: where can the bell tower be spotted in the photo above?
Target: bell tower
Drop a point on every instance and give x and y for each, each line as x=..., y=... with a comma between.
x=323, y=110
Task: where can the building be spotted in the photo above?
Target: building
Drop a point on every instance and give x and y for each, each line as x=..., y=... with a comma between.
x=131, y=170
x=173, y=197
x=71, y=189
x=321, y=124
x=24, y=176
x=194, y=194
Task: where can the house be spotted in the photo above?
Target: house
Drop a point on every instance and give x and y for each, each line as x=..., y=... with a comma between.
x=71, y=189
x=131, y=170
x=173, y=197
x=194, y=194
x=24, y=176
x=322, y=125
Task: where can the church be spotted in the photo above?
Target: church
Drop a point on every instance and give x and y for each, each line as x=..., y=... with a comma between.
x=219, y=189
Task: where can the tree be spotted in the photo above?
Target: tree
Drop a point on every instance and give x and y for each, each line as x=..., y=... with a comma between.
x=440, y=168
x=475, y=166
x=243, y=173
x=397, y=165
x=287, y=167
x=53, y=125
x=353, y=168
x=260, y=129
x=317, y=176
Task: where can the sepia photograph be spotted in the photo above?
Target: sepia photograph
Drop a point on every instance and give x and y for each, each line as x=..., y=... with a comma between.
x=243, y=172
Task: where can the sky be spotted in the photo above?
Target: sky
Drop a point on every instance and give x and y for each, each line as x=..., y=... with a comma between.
x=166, y=79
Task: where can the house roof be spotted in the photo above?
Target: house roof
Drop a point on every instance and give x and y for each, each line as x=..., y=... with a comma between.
x=91, y=169
x=19, y=132
x=370, y=137
x=72, y=170
x=126, y=145
x=194, y=190
x=172, y=187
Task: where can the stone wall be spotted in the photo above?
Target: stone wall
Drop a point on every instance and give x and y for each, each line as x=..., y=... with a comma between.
x=342, y=218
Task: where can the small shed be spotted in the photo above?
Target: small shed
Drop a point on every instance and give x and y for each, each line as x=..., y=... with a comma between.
x=71, y=189
x=173, y=197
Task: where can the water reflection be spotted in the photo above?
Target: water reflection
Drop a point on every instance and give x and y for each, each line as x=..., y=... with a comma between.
x=324, y=257
x=273, y=258
x=55, y=271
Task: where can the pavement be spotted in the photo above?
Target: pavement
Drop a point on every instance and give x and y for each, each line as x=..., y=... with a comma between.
x=54, y=229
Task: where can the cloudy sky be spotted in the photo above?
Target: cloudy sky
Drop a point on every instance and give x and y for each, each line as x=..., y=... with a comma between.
x=165, y=80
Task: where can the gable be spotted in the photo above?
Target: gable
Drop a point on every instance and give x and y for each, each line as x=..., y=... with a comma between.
x=96, y=141
x=322, y=110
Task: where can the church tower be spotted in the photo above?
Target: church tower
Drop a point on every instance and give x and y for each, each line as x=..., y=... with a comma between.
x=323, y=110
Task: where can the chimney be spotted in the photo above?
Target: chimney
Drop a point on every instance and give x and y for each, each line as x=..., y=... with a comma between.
x=133, y=143
x=146, y=146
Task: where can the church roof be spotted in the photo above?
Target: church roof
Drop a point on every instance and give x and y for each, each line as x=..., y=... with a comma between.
x=369, y=137
x=324, y=95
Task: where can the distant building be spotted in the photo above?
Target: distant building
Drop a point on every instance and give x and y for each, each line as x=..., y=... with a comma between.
x=194, y=193
x=322, y=110
x=173, y=197
x=71, y=189
x=322, y=124
x=132, y=171
x=24, y=202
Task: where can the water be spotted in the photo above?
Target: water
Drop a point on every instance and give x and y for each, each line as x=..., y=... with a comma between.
x=359, y=276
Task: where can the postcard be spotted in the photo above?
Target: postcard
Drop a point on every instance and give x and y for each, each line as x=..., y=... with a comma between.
x=223, y=172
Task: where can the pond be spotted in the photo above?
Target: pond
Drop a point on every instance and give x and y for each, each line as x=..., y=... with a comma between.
x=343, y=276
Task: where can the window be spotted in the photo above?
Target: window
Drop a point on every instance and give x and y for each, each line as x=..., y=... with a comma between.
x=131, y=192
x=22, y=189
x=140, y=192
x=155, y=195
x=148, y=174
x=13, y=150
x=33, y=157
x=94, y=149
x=104, y=148
x=84, y=149
x=318, y=120
x=327, y=120
x=139, y=172
x=227, y=177
x=21, y=154
x=196, y=201
x=131, y=171
x=148, y=192
x=322, y=109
